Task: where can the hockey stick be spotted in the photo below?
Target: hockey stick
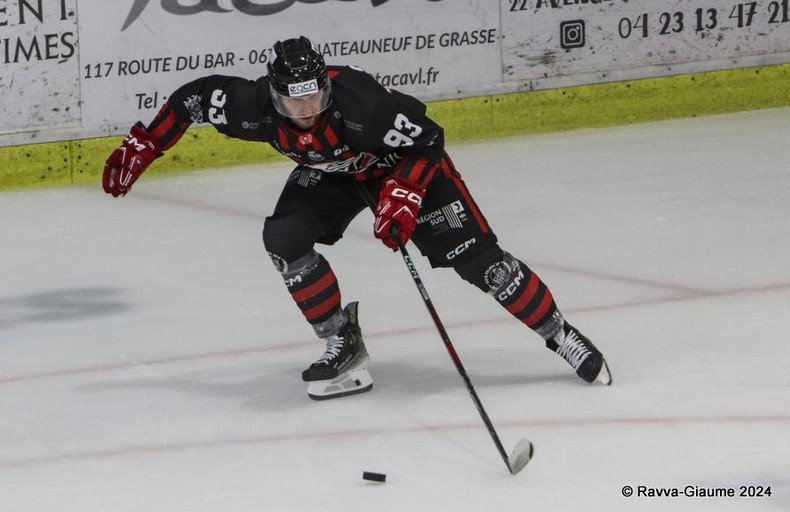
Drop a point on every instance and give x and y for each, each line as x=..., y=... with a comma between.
x=522, y=453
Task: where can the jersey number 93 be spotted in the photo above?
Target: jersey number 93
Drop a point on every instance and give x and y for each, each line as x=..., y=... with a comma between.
x=403, y=134
x=216, y=114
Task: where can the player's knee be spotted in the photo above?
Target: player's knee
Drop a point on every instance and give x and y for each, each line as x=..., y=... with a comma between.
x=287, y=237
x=294, y=271
x=489, y=270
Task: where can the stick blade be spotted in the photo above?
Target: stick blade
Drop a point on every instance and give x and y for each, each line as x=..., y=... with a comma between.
x=522, y=454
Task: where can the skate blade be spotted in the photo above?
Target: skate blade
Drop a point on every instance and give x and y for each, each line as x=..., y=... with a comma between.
x=605, y=376
x=352, y=382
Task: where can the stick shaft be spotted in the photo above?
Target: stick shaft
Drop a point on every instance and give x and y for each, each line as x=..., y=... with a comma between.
x=448, y=344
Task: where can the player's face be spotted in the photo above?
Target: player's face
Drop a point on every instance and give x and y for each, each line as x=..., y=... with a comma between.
x=304, y=110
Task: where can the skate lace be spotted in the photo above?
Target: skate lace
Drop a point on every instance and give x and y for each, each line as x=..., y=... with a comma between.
x=573, y=349
x=333, y=347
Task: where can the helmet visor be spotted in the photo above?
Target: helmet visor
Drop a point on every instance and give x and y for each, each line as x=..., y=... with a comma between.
x=304, y=99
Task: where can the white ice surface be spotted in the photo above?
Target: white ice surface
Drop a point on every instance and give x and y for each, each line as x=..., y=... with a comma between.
x=150, y=356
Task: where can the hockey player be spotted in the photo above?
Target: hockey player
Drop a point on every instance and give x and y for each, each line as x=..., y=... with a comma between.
x=350, y=138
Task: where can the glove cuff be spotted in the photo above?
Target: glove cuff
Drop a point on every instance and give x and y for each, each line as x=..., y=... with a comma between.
x=392, y=181
x=143, y=141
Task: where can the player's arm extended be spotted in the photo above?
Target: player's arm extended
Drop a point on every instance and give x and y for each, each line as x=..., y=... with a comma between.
x=202, y=100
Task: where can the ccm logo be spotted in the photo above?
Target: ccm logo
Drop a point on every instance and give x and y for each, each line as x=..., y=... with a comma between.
x=293, y=281
x=402, y=193
x=302, y=88
x=512, y=286
x=132, y=141
x=461, y=248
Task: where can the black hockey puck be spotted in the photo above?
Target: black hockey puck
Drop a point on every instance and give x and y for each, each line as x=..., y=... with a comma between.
x=375, y=477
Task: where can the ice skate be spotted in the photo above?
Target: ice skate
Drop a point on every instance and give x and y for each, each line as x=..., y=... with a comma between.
x=343, y=369
x=581, y=354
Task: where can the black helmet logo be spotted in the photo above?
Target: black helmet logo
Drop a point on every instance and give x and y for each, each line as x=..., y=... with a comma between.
x=296, y=68
x=302, y=88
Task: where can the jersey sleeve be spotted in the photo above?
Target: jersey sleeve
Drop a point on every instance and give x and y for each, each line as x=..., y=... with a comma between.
x=416, y=138
x=213, y=99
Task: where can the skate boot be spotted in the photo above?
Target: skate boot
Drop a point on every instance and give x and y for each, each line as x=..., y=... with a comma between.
x=581, y=354
x=342, y=370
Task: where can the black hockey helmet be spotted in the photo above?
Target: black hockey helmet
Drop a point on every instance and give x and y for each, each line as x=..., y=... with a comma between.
x=297, y=70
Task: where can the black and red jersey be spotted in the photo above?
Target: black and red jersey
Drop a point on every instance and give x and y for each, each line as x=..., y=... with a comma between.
x=367, y=130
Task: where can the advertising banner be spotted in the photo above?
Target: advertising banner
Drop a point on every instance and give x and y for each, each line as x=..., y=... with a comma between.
x=39, y=61
x=585, y=41
x=135, y=57
x=72, y=69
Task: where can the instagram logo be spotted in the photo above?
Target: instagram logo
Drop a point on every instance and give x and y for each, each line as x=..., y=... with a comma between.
x=572, y=34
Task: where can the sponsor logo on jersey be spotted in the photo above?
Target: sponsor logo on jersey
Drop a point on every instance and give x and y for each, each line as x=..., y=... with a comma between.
x=352, y=125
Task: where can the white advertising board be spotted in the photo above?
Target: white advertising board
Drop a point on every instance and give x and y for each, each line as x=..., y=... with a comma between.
x=73, y=69
x=558, y=42
x=39, y=61
x=133, y=59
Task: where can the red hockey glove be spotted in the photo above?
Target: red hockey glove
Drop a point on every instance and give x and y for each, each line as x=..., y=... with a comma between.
x=128, y=162
x=398, y=205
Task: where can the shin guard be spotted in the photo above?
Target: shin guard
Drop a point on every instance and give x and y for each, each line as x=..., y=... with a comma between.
x=313, y=286
x=517, y=288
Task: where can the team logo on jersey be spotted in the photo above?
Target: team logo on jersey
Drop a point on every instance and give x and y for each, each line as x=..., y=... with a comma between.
x=359, y=163
x=305, y=139
x=303, y=88
x=192, y=104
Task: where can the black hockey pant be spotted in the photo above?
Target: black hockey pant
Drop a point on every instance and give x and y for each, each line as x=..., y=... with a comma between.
x=316, y=207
